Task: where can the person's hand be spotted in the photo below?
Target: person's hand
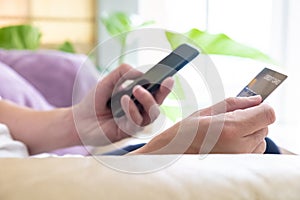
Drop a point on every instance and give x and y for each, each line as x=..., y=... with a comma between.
x=94, y=120
x=236, y=125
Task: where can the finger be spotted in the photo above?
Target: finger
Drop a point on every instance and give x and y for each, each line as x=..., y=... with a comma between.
x=165, y=89
x=126, y=128
x=261, y=147
x=147, y=101
x=118, y=76
x=131, y=111
x=235, y=103
x=124, y=72
x=250, y=120
x=256, y=138
x=231, y=104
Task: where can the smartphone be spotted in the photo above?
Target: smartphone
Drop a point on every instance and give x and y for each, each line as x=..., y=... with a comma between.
x=263, y=84
x=153, y=78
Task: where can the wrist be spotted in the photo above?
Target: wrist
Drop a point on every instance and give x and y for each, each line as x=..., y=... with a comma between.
x=71, y=134
x=161, y=144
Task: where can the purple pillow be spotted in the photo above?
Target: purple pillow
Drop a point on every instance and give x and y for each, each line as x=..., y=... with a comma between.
x=16, y=89
x=53, y=73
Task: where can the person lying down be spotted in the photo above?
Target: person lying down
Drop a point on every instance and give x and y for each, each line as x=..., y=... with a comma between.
x=25, y=132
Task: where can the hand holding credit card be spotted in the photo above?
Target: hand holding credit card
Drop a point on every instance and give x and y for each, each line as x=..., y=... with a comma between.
x=263, y=84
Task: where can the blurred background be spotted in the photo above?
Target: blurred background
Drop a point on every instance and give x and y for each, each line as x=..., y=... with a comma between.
x=271, y=26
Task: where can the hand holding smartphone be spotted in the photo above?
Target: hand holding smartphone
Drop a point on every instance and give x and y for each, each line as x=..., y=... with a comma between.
x=153, y=78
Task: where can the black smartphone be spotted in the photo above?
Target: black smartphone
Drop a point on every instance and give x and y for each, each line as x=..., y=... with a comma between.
x=153, y=78
x=263, y=84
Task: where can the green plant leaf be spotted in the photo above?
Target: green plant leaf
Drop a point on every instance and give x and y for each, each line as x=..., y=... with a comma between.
x=219, y=44
x=121, y=22
x=172, y=112
x=20, y=37
x=146, y=23
x=116, y=23
x=67, y=47
x=178, y=93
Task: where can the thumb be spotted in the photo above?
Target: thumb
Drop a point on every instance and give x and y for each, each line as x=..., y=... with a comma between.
x=231, y=104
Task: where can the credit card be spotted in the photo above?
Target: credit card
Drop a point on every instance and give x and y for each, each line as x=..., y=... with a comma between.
x=263, y=84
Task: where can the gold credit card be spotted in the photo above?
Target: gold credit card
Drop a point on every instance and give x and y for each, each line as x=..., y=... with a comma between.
x=263, y=84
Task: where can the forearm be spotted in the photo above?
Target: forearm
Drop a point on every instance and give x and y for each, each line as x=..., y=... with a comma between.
x=41, y=131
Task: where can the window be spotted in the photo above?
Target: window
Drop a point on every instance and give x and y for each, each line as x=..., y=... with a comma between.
x=58, y=20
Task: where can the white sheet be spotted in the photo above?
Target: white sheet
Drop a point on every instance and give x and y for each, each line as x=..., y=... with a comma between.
x=10, y=147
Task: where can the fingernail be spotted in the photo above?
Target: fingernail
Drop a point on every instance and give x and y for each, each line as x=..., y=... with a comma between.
x=125, y=101
x=255, y=97
x=137, y=88
x=154, y=112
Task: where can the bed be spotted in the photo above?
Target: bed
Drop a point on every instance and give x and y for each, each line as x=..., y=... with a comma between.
x=226, y=177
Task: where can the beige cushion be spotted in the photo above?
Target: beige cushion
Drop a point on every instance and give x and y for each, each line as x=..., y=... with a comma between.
x=187, y=177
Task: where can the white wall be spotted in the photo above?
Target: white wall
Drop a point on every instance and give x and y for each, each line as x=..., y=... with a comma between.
x=293, y=61
x=288, y=134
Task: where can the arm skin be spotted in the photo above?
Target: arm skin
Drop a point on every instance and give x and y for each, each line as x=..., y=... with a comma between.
x=41, y=131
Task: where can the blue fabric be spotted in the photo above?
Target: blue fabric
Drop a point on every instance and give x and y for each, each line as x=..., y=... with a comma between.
x=124, y=150
x=272, y=148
